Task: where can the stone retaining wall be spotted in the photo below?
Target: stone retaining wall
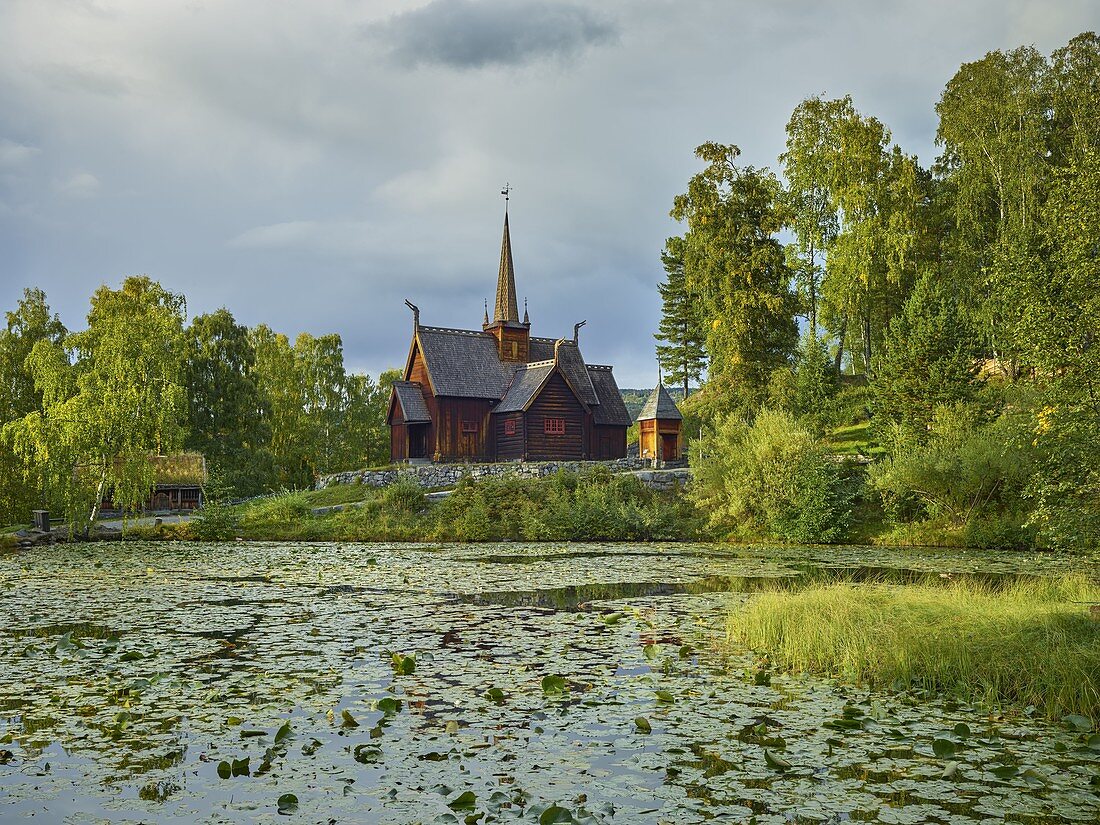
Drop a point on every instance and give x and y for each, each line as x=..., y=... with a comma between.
x=448, y=475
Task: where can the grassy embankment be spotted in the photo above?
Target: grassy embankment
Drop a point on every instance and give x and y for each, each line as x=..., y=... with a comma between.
x=1026, y=643
x=591, y=506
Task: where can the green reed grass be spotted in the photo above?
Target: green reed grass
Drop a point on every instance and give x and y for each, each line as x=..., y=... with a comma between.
x=1027, y=642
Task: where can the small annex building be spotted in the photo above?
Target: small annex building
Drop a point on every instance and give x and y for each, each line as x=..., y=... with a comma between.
x=659, y=425
x=178, y=483
x=501, y=394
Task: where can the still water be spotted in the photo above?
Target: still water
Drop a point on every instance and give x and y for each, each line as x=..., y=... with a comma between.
x=246, y=682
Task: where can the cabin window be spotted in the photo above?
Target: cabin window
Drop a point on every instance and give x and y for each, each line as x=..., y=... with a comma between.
x=469, y=426
x=554, y=426
x=515, y=349
x=510, y=427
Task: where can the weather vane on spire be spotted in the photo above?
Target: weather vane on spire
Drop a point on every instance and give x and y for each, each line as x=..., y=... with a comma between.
x=506, y=191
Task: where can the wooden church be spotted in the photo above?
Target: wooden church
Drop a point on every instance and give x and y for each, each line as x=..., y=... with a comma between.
x=501, y=394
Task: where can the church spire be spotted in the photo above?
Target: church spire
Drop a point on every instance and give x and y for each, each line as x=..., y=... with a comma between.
x=506, y=307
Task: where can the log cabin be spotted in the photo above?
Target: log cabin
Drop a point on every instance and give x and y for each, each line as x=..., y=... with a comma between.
x=501, y=394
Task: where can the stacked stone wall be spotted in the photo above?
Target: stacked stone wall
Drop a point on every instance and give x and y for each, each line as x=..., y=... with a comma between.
x=433, y=476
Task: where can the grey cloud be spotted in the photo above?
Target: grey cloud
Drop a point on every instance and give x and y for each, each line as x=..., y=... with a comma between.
x=465, y=34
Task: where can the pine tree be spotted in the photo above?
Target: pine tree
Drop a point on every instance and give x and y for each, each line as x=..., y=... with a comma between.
x=682, y=357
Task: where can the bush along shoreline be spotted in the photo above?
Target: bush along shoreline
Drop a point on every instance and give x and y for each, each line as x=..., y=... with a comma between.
x=592, y=505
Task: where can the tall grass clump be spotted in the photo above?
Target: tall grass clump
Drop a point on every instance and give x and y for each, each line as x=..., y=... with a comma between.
x=1031, y=642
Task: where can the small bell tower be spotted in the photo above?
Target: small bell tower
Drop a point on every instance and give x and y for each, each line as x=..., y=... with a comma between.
x=513, y=335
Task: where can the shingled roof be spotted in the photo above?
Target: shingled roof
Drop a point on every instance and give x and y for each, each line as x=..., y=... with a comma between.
x=463, y=363
x=525, y=384
x=411, y=399
x=659, y=405
x=541, y=349
x=610, y=410
x=569, y=358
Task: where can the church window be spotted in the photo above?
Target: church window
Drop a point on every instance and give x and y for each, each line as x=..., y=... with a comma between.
x=469, y=426
x=554, y=426
x=510, y=427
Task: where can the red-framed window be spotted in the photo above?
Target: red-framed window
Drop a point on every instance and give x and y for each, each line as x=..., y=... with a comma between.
x=554, y=426
x=469, y=426
x=510, y=426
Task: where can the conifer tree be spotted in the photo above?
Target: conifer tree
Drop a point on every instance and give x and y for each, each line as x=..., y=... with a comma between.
x=682, y=357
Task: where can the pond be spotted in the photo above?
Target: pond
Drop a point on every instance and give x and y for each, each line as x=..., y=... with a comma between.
x=245, y=682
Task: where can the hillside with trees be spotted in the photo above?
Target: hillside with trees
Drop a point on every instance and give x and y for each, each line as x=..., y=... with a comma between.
x=950, y=317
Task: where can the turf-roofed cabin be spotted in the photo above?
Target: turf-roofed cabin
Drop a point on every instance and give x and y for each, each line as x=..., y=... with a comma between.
x=499, y=394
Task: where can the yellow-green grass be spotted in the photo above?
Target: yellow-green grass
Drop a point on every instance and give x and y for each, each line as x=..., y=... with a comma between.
x=853, y=439
x=1033, y=642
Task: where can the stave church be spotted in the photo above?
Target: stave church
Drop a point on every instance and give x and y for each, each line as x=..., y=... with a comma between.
x=502, y=394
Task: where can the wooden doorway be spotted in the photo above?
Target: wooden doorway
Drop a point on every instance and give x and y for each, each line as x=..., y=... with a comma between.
x=668, y=447
x=418, y=440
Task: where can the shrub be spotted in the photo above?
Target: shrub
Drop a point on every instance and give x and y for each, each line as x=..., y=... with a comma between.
x=770, y=478
x=965, y=469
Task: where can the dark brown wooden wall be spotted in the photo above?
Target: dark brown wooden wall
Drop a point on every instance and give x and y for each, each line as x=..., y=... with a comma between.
x=451, y=443
x=556, y=401
x=418, y=371
x=508, y=447
x=399, y=441
x=522, y=338
x=608, y=443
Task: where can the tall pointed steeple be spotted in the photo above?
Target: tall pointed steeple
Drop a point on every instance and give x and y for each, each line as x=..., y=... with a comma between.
x=506, y=307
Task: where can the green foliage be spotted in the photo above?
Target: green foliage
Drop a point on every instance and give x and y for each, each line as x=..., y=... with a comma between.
x=965, y=470
x=217, y=520
x=30, y=323
x=225, y=421
x=1030, y=642
x=682, y=356
x=771, y=478
x=111, y=395
x=735, y=269
x=927, y=360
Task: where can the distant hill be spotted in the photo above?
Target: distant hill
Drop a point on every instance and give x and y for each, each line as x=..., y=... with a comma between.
x=635, y=399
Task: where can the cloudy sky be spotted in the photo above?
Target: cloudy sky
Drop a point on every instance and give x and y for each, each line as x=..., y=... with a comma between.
x=309, y=164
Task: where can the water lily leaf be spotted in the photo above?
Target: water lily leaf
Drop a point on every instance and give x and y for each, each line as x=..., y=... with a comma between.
x=451, y=727
x=943, y=748
x=233, y=721
x=1093, y=742
x=367, y=753
x=1079, y=723
x=404, y=665
x=465, y=801
x=495, y=695
x=555, y=814
x=283, y=733
x=288, y=803
x=1005, y=771
x=664, y=697
x=389, y=705
x=650, y=651
x=777, y=762
x=347, y=720
x=962, y=730
x=686, y=650
x=611, y=618
x=252, y=734
x=642, y=724
x=225, y=770
x=311, y=747
x=240, y=767
x=553, y=685
x=131, y=656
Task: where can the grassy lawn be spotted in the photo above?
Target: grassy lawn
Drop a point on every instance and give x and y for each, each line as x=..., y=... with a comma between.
x=853, y=439
x=1032, y=642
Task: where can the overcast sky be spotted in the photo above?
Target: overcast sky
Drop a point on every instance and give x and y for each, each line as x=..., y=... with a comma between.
x=309, y=164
